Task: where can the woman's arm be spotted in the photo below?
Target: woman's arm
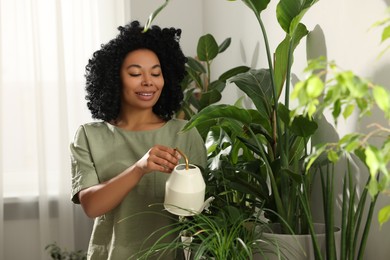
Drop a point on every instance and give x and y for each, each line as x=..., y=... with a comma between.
x=102, y=198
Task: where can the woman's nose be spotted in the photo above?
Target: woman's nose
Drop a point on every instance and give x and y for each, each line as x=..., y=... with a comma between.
x=146, y=82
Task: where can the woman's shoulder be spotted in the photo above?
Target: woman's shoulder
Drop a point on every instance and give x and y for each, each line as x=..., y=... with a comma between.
x=94, y=128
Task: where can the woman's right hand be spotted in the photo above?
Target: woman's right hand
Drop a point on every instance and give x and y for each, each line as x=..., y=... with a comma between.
x=159, y=158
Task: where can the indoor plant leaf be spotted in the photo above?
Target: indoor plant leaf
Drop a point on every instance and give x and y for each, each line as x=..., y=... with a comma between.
x=290, y=12
x=257, y=6
x=195, y=65
x=207, y=48
x=257, y=85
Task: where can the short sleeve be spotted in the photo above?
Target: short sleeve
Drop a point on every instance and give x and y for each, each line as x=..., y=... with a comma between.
x=82, y=166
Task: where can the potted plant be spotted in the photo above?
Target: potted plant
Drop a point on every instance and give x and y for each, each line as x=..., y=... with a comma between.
x=260, y=158
x=270, y=142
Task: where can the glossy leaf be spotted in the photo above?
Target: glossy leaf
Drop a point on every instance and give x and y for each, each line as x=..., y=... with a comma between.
x=207, y=48
x=257, y=6
x=224, y=45
x=290, y=12
x=257, y=85
x=209, y=98
x=215, y=112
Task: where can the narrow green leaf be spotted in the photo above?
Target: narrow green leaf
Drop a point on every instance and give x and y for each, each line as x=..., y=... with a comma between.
x=154, y=14
x=232, y=72
x=224, y=45
x=195, y=65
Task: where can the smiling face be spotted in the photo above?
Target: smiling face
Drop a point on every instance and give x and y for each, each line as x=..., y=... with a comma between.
x=142, y=80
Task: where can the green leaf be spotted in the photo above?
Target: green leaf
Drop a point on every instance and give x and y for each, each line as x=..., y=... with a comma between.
x=194, y=76
x=372, y=160
x=207, y=48
x=302, y=126
x=257, y=85
x=209, y=98
x=384, y=215
x=217, y=85
x=195, y=65
x=290, y=12
x=224, y=45
x=314, y=87
x=348, y=110
x=215, y=112
x=382, y=98
x=281, y=55
x=385, y=33
x=154, y=14
x=232, y=72
x=333, y=156
x=257, y=6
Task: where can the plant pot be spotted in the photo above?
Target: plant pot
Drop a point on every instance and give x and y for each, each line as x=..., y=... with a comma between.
x=299, y=247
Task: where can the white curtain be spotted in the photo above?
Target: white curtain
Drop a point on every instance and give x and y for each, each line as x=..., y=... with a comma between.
x=44, y=47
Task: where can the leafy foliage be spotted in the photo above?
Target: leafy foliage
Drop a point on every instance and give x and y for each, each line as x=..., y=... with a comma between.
x=57, y=253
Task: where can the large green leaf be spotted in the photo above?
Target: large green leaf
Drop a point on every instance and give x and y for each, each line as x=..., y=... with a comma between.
x=257, y=6
x=209, y=97
x=207, y=48
x=290, y=12
x=281, y=56
x=213, y=113
x=302, y=126
x=257, y=85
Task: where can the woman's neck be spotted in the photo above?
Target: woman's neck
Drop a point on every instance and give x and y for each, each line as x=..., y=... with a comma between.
x=138, y=121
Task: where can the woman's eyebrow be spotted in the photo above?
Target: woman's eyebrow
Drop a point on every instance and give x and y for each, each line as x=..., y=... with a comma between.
x=139, y=66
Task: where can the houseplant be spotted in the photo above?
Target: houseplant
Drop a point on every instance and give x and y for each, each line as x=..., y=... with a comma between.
x=260, y=157
x=274, y=138
x=199, y=89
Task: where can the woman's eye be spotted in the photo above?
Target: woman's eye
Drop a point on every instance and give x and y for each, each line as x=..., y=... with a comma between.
x=134, y=74
x=156, y=75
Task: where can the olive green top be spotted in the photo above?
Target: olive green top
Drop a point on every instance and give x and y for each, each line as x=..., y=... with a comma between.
x=101, y=151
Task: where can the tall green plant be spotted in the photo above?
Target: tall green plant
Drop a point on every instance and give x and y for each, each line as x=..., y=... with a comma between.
x=277, y=146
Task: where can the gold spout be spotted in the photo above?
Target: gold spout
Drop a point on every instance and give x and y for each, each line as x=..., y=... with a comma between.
x=185, y=158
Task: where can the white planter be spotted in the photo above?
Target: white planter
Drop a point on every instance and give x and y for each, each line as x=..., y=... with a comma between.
x=296, y=247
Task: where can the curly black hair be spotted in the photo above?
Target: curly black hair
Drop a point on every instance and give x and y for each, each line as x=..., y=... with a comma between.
x=103, y=82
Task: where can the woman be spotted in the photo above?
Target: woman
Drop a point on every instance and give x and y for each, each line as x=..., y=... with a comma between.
x=121, y=162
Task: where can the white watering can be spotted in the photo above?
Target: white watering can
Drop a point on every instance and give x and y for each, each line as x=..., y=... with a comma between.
x=185, y=190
